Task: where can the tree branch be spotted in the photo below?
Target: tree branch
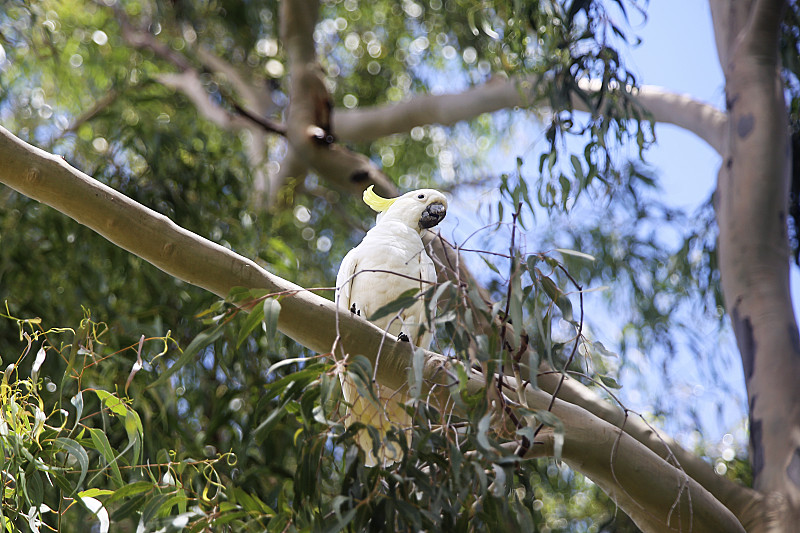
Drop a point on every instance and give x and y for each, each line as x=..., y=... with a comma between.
x=308, y=121
x=620, y=464
x=370, y=123
x=655, y=494
x=729, y=18
x=189, y=83
x=146, y=40
x=744, y=502
x=254, y=95
x=367, y=124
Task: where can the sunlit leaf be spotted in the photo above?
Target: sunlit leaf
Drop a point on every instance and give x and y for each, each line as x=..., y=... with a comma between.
x=575, y=253
x=272, y=310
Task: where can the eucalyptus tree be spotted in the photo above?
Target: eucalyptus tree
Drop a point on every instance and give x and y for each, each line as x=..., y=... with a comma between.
x=257, y=125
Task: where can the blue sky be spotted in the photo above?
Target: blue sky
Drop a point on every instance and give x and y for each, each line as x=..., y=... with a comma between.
x=678, y=53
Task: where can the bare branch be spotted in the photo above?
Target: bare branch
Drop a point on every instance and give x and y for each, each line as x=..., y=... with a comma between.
x=100, y=105
x=729, y=19
x=366, y=124
x=370, y=123
x=189, y=83
x=255, y=95
x=656, y=495
x=147, y=41
x=744, y=502
x=308, y=121
x=682, y=110
x=265, y=123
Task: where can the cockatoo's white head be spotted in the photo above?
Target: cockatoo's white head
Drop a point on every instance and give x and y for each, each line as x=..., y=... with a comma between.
x=420, y=210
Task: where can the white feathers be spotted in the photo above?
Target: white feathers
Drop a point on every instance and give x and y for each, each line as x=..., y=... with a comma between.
x=390, y=260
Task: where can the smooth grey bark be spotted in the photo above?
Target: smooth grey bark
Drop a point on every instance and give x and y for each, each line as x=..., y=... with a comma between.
x=751, y=203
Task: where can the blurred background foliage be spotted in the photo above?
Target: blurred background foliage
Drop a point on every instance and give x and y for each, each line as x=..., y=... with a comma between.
x=71, y=84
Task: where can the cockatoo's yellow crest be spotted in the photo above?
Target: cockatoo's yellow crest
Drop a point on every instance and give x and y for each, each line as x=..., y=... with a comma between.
x=376, y=202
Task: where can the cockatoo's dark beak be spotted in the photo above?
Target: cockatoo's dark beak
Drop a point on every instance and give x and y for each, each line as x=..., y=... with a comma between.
x=432, y=215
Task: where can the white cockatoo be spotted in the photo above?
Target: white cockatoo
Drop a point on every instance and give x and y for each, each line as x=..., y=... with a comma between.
x=389, y=261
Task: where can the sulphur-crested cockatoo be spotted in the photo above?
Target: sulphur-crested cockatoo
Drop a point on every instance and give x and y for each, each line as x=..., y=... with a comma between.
x=389, y=261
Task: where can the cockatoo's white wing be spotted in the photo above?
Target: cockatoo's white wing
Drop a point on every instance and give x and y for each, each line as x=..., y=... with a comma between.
x=386, y=411
x=389, y=261
x=344, y=279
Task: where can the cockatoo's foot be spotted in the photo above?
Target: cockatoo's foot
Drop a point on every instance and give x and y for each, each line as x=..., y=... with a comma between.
x=403, y=337
x=355, y=311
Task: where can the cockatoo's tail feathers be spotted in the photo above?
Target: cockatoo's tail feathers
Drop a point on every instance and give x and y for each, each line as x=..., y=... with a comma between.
x=376, y=202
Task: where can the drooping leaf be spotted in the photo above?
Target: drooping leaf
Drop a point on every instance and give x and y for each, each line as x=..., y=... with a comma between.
x=575, y=253
x=405, y=300
x=253, y=319
x=272, y=311
x=104, y=447
x=201, y=341
x=78, y=452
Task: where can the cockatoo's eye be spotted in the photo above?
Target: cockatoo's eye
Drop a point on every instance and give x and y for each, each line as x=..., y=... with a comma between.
x=421, y=196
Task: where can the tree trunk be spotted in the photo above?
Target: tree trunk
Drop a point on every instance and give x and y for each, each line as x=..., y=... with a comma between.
x=751, y=203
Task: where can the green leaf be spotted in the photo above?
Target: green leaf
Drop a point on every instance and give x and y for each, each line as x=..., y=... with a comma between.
x=610, y=382
x=406, y=299
x=242, y=295
x=253, y=319
x=104, y=447
x=341, y=521
x=250, y=502
x=130, y=490
x=176, y=499
x=112, y=403
x=359, y=368
x=94, y=492
x=272, y=310
x=598, y=347
x=575, y=253
x=437, y=294
x=566, y=185
x=577, y=167
x=531, y=262
x=202, y=340
x=134, y=505
x=151, y=508
x=77, y=451
x=483, y=428
x=550, y=288
x=490, y=264
x=34, y=490
x=565, y=305
x=547, y=418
